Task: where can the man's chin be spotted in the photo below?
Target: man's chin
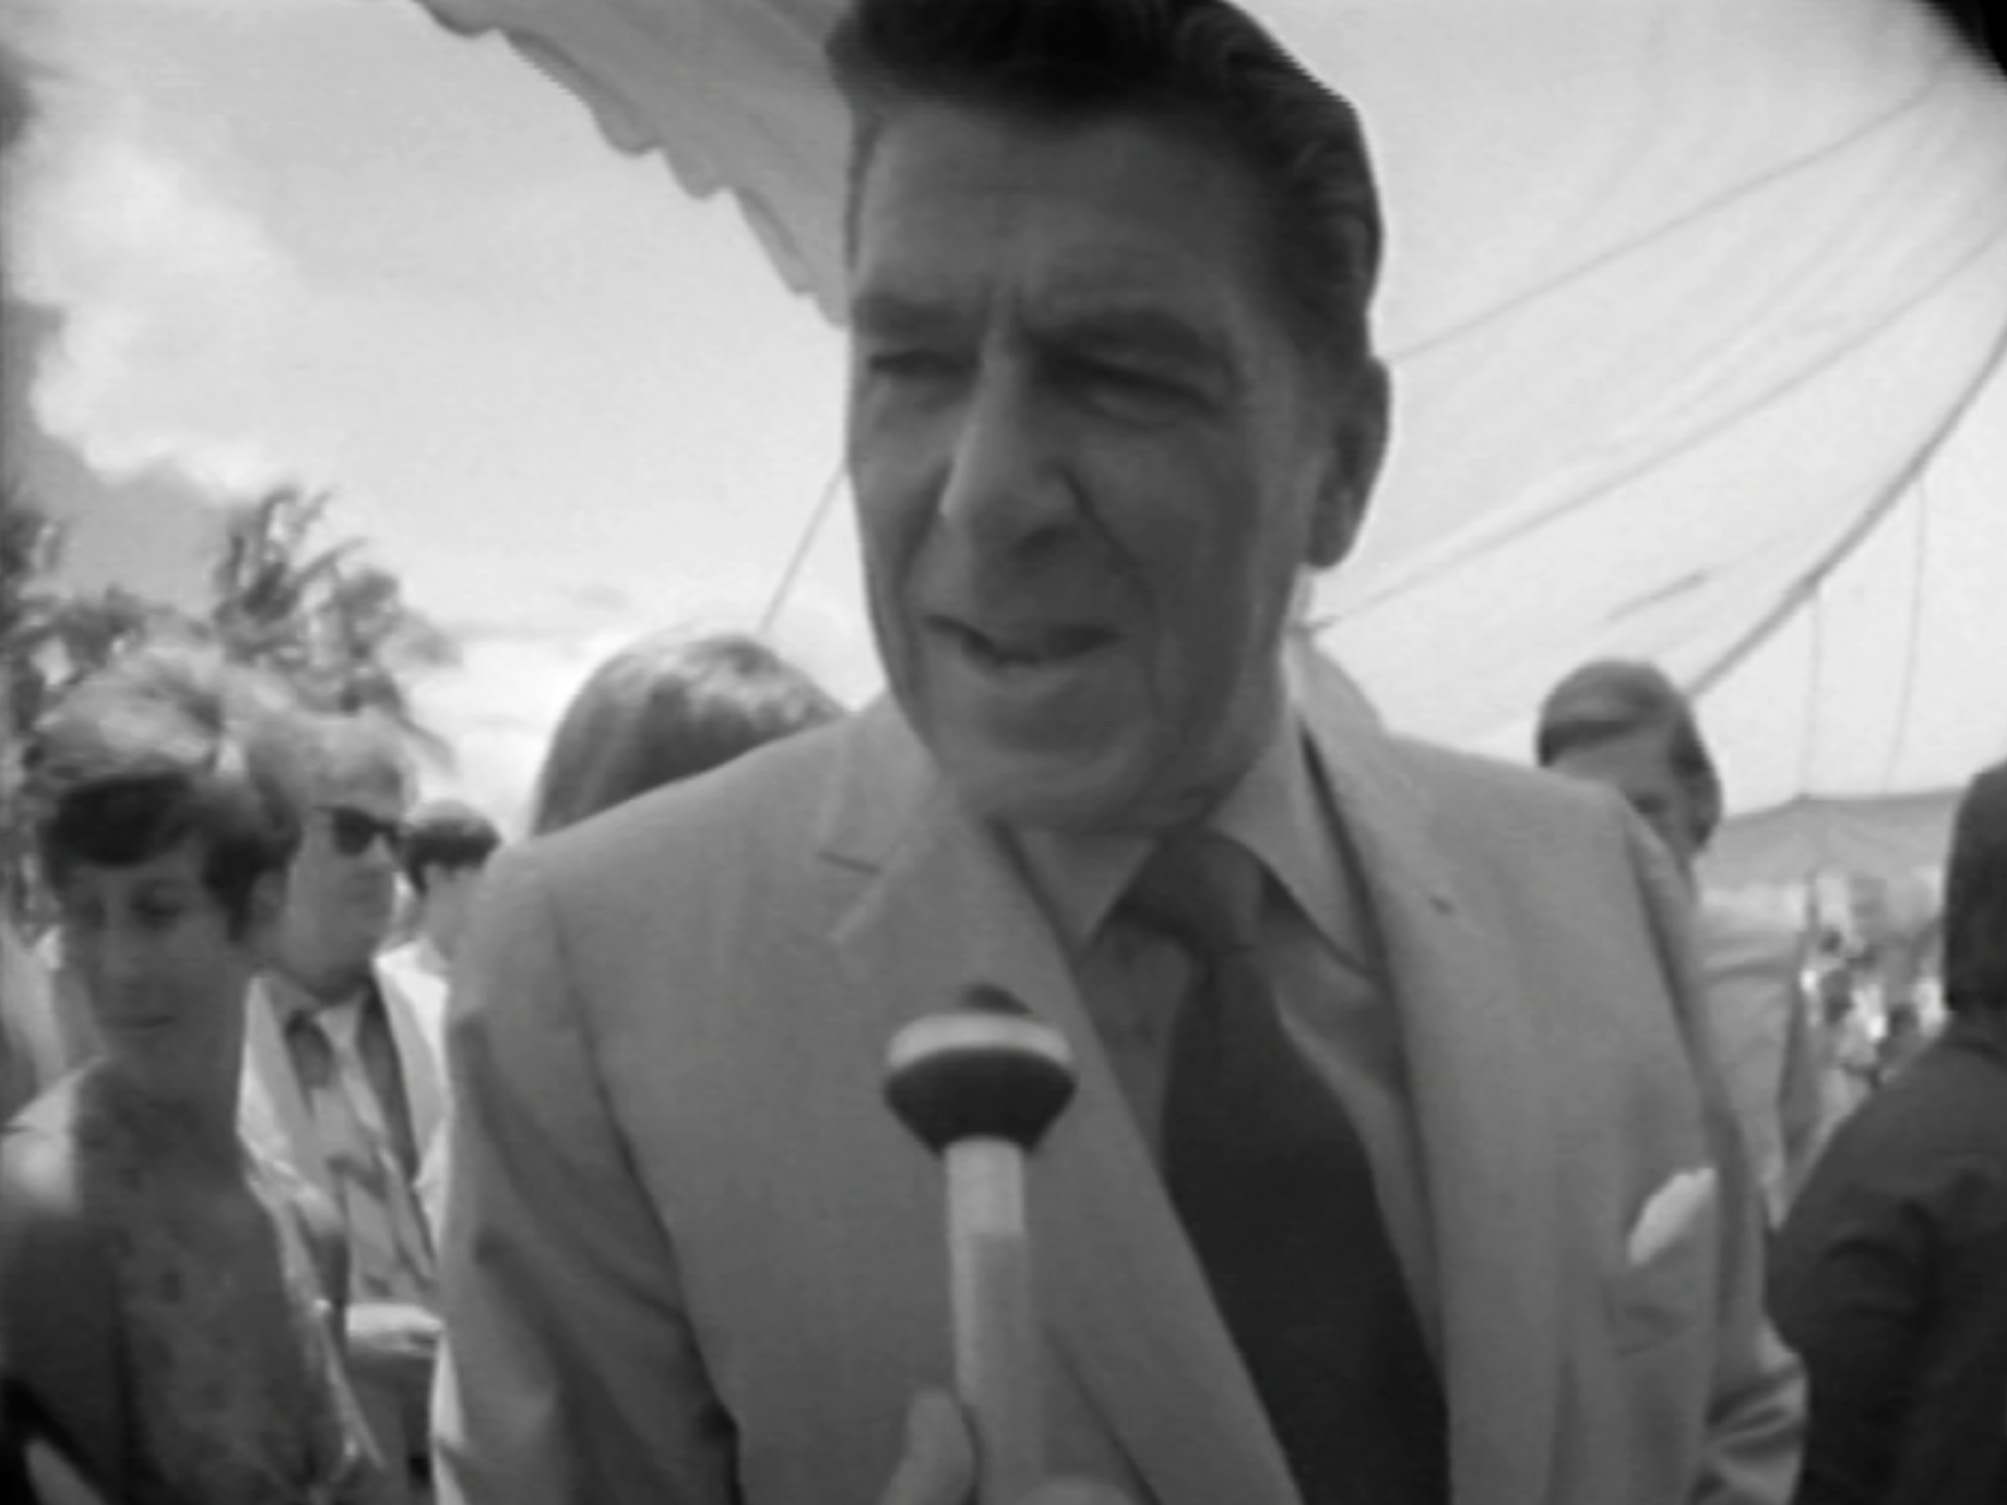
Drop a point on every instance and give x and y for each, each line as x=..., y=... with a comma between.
x=1066, y=793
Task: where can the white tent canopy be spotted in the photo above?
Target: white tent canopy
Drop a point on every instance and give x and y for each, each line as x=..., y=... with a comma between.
x=1697, y=312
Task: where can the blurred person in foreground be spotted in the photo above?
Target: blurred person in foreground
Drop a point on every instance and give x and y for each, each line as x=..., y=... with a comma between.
x=665, y=709
x=1890, y=1276
x=1473, y=1226
x=1625, y=725
x=170, y=1300
x=343, y=1080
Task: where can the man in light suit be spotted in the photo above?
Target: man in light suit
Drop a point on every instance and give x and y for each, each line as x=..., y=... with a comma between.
x=1111, y=396
x=342, y=1075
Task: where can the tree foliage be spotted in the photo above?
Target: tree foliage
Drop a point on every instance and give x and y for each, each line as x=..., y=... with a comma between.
x=319, y=615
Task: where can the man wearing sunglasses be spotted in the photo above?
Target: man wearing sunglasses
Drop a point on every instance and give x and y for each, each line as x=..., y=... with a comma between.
x=342, y=1080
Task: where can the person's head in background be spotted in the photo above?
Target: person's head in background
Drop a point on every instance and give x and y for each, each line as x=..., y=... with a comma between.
x=1975, y=900
x=169, y=796
x=446, y=844
x=667, y=708
x=1625, y=724
x=342, y=898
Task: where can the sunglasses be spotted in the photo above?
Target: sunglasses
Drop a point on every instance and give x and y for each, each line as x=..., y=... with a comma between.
x=356, y=831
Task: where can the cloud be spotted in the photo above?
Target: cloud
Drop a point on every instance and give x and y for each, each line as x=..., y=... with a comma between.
x=173, y=301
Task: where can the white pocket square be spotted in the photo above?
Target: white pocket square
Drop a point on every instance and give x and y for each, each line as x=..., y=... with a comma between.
x=1668, y=1214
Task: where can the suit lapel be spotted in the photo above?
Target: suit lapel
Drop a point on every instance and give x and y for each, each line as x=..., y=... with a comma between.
x=1474, y=1078
x=939, y=906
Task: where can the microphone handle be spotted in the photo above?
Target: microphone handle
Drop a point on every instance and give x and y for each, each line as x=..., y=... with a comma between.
x=997, y=1361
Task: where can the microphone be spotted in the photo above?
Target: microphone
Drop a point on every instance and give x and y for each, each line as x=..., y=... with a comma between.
x=980, y=1086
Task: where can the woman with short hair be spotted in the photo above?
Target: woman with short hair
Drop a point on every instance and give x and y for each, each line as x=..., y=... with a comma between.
x=170, y=1302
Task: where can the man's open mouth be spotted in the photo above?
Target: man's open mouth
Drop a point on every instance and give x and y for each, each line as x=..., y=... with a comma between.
x=1023, y=650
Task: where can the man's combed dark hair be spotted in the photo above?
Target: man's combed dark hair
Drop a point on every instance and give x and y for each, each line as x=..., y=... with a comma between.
x=1201, y=64
x=1975, y=898
x=166, y=746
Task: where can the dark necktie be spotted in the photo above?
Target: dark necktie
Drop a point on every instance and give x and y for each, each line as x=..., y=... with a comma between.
x=1272, y=1183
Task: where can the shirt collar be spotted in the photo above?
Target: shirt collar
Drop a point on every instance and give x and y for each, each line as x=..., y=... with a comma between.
x=1277, y=810
x=291, y=1001
x=426, y=956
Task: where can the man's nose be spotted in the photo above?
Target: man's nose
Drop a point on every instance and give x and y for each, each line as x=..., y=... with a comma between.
x=380, y=855
x=122, y=956
x=1005, y=488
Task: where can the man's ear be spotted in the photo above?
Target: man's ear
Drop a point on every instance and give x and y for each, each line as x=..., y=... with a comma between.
x=1357, y=435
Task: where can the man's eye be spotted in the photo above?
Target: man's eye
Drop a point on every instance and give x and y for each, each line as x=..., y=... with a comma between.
x=912, y=364
x=1126, y=383
x=156, y=916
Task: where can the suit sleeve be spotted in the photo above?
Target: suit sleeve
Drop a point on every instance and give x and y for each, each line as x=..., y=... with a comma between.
x=1756, y=1403
x=571, y=1375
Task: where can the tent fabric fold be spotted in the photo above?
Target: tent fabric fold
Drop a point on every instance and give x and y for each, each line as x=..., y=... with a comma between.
x=1696, y=316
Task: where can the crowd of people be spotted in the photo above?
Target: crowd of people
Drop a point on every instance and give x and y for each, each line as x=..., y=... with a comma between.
x=224, y=1172
x=1435, y=1137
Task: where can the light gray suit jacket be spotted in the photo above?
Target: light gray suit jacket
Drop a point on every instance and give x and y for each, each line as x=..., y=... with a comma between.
x=690, y=1257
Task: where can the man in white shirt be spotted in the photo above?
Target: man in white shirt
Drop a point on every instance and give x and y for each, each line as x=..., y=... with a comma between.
x=343, y=1082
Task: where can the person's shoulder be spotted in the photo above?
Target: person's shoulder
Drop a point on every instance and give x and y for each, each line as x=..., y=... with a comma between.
x=1477, y=794
x=769, y=795
x=1536, y=844
x=1933, y=1137
x=690, y=852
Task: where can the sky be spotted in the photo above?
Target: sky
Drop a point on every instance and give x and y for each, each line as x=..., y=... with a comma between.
x=326, y=241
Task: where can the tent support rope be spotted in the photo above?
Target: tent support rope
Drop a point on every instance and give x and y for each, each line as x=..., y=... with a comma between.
x=1913, y=633
x=792, y=573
